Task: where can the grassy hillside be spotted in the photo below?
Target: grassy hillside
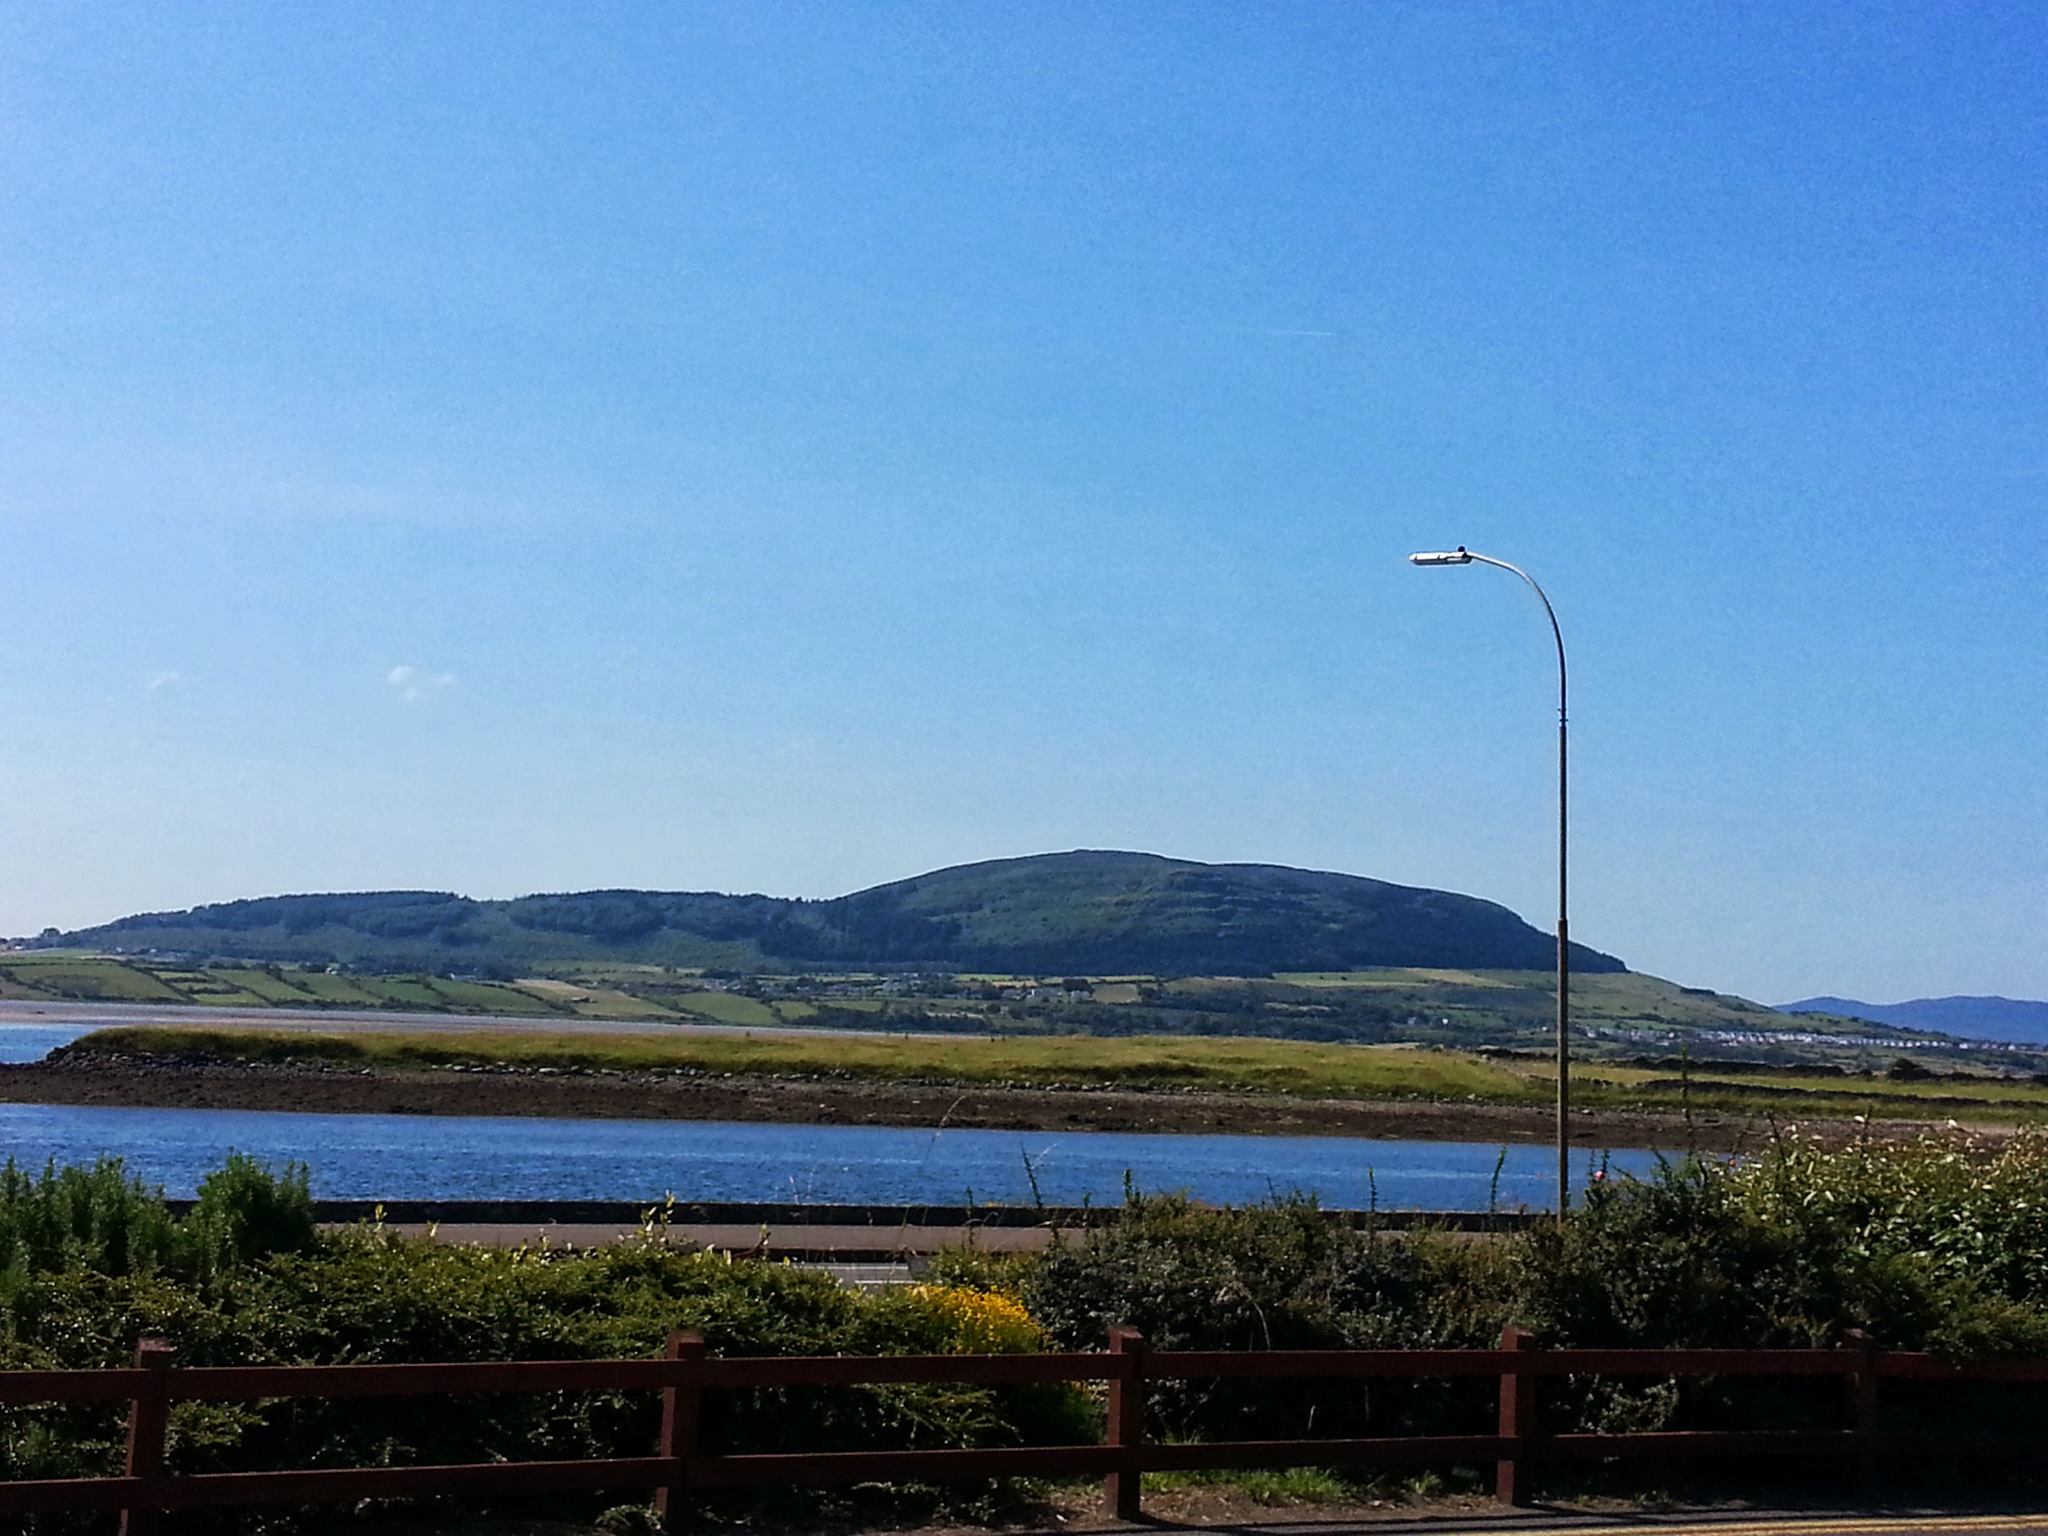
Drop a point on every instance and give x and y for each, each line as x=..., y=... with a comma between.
x=1618, y=1014
x=65, y=976
x=1098, y=913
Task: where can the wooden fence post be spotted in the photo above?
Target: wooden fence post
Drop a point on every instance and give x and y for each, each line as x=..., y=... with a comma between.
x=1517, y=1421
x=682, y=1412
x=147, y=1416
x=1863, y=1405
x=1126, y=1427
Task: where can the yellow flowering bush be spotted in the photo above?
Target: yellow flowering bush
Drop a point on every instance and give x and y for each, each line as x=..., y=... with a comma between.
x=981, y=1322
x=939, y=1319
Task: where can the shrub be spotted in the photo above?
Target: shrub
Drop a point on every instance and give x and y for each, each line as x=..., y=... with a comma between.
x=1935, y=1244
x=96, y=1218
x=244, y=1212
x=1972, y=1213
x=102, y=1221
x=1277, y=1276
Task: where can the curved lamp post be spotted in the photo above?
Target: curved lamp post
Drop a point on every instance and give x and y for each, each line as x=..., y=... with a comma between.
x=1463, y=556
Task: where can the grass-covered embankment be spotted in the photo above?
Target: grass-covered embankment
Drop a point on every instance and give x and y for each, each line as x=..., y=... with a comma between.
x=1291, y=1070
x=1064, y=1061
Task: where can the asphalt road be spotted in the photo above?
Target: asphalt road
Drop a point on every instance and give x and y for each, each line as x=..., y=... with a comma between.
x=1304, y=1521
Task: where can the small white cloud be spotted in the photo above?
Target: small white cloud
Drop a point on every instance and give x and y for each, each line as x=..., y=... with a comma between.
x=161, y=680
x=412, y=685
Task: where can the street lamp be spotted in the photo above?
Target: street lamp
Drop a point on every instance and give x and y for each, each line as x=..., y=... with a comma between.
x=1463, y=556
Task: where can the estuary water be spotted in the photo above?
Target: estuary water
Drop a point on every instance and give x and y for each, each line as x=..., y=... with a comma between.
x=424, y=1157
x=32, y=1042
x=420, y=1157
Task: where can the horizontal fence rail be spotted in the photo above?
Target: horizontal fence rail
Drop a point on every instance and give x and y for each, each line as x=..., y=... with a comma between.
x=680, y=1463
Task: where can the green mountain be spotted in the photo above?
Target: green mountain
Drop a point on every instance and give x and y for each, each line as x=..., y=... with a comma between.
x=1100, y=913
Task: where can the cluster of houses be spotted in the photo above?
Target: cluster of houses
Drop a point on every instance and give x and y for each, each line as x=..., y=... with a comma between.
x=1770, y=1037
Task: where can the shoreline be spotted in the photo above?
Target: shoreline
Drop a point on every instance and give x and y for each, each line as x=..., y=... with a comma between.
x=106, y=1080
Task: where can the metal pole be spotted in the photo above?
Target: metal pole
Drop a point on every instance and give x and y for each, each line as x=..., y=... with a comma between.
x=1564, y=989
x=1564, y=970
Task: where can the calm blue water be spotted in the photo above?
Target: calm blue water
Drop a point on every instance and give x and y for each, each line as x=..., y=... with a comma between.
x=32, y=1042
x=393, y=1157
x=399, y=1157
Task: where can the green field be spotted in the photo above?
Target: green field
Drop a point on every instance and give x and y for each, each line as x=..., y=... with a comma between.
x=606, y=992
x=87, y=976
x=277, y=990
x=483, y=997
x=590, y=1001
x=727, y=1008
x=1388, y=976
x=57, y=976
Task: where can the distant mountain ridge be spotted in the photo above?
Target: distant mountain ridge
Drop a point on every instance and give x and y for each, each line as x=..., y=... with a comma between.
x=1089, y=911
x=2017, y=1020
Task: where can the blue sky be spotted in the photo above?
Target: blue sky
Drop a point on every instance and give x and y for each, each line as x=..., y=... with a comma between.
x=792, y=447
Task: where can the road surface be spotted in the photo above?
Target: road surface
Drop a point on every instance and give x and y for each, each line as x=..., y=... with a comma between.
x=1308, y=1520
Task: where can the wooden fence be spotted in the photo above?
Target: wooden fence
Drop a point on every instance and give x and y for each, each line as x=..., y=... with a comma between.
x=679, y=1465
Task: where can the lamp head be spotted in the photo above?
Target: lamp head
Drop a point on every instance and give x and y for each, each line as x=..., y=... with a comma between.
x=1442, y=557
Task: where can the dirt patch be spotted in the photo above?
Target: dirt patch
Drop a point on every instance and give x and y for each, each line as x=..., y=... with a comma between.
x=104, y=1079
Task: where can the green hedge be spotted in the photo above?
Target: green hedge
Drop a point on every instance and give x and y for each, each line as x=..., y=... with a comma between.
x=1935, y=1245
x=98, y=1264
